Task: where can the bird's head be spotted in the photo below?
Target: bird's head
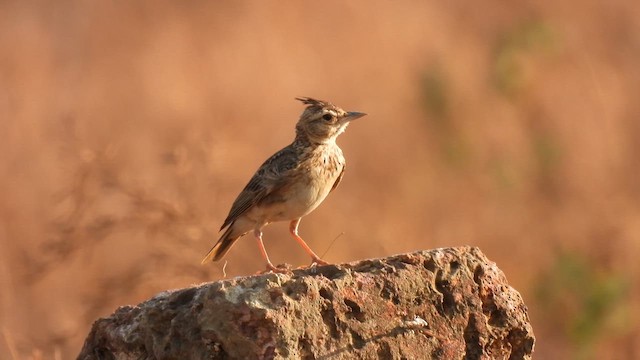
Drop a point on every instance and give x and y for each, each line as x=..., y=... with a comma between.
x=322, y=122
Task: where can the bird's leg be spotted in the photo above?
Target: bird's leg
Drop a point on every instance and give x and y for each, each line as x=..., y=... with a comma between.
x=293, y=229
x=258, y=234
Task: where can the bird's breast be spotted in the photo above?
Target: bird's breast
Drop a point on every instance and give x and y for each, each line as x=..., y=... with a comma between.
x=307, y=186
x=317, y=182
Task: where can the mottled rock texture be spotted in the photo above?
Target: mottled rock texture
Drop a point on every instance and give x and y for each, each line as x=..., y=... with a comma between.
x=450, y=303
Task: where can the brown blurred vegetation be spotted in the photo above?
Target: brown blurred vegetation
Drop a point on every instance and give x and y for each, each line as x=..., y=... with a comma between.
x=128, y=128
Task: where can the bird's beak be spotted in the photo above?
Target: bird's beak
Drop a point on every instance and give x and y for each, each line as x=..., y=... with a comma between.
x=352, y=115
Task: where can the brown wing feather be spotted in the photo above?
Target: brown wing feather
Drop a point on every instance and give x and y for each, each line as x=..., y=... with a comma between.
x=335, y=184
x=263, y=183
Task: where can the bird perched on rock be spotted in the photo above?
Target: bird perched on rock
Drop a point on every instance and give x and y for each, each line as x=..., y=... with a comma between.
x=292, y=182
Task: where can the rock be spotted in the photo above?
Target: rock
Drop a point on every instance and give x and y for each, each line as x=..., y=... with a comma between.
x=449, y=303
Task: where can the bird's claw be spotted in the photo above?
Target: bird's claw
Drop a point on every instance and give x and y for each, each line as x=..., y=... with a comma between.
x=317, y=261
x=274, y=269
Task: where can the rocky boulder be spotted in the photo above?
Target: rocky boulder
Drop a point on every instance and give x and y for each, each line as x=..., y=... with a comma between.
x=449, y=303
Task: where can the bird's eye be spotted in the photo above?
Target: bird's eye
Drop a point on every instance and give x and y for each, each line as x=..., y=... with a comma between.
x=327, y=117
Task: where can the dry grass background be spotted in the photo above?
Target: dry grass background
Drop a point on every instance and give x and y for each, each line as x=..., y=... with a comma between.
x=128, y=128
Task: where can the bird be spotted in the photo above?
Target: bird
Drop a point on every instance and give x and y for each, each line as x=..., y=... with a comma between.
x=292, y=182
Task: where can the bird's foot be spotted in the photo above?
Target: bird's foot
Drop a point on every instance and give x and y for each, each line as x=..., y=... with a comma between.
x=282, y=269
x=317, y=261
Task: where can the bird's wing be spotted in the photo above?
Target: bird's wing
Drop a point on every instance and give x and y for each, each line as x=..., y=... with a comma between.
x=265, y=181
x=335, y=184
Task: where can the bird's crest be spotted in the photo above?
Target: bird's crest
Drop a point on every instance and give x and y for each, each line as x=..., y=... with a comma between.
x=314, y=102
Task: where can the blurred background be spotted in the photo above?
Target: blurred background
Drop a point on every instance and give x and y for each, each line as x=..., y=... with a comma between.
x=128, y=128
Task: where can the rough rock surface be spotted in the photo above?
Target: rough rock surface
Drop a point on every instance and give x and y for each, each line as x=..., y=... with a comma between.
x=449, y=303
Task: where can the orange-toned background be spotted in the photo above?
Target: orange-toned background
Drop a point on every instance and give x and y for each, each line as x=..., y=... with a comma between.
x=128, y=128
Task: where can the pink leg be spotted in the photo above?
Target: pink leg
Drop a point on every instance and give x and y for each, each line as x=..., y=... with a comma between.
x=293, y=228
x=258, y=234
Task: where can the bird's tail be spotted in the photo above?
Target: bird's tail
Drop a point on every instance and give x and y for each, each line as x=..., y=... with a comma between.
x=223, y=245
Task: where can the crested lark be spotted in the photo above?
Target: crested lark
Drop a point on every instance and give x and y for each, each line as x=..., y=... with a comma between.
x=292, y=182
